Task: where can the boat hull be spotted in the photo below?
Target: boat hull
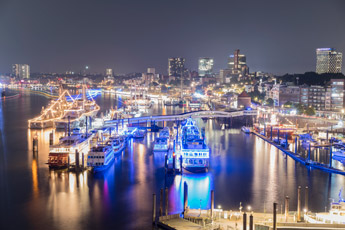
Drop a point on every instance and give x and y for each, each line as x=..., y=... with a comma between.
x=196, y=169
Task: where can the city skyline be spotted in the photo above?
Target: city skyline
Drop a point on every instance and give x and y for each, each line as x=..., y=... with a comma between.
x=122, y=37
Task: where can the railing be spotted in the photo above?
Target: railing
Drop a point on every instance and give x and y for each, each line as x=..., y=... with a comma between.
x=195, y=114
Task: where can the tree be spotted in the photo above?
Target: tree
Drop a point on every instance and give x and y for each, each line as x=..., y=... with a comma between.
x=310, y=111
x=288, y=104
x=300, y=108
x=269, y=102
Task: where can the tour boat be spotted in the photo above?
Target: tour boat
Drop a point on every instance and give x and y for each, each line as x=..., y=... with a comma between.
x=77, y=114
x=284, y=143
x=139, y=134
x=336, y=213
x=118, y=143
x=161, y=144
x=193, y=149
x=165, y=133
x=246, y=129
x=195, y=104
x=100, y=157
x=68, y=150
x=171, y=103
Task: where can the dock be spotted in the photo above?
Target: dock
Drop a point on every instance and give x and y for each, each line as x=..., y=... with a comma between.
x=298, y=158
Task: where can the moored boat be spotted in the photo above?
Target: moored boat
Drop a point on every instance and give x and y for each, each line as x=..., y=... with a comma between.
x=100, y=157
x=69, y=150
x=246, y=129
x=193, y=149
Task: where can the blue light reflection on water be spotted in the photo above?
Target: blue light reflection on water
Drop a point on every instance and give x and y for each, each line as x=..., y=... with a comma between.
x=199, y=191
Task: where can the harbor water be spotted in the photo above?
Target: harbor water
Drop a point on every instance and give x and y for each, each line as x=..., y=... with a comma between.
x=243, y=168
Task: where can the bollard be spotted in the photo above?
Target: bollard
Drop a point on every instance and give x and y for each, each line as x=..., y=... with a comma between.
x=76, y=158
x=278, y=135
x=212, y=203
x=251, y=222
x=309, y=153
x=51, y=138
x=161, y=203
x=82, y=162
x=295, y=145
x=154, y=209
x=181, y=160
x=185, y=198
x=299, y=204
x=274, y=216
x=166, y=201
x=271, y=132
x=244, y=221
x=330, y=156
x=286, y=208
x=35, y=144
x=306, y=197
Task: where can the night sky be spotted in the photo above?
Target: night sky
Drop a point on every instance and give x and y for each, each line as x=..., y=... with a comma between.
x=129, y=36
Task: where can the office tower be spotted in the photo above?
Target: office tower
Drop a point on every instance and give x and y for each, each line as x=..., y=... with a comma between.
x=238, y=62
x=176, y=67
x=151, y=70
x=328, y=61
x=109, y=72
x=205, y=67
x=21, y=71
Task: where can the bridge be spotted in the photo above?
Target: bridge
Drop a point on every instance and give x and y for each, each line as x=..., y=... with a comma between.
x=182, y=116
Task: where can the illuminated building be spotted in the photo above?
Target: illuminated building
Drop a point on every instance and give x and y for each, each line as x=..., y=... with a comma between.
x=205, y=67
x=21, y=71
x=328, y=61
x=109, y=72
x=176, y=67
x=238, y=62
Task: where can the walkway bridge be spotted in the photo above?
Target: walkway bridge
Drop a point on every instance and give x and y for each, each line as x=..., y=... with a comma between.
x=182, y=116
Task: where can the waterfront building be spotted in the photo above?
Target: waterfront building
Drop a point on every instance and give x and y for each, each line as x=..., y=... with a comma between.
x=21, y=71
x=205, y=67
x=337, y=94
x=283, y=93
x=176, y=66
x=244, y=100
x=328, y=61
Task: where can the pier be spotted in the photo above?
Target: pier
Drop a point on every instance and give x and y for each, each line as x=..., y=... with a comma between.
x=298, y=158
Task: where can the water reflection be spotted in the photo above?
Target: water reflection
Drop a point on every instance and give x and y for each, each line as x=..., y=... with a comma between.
x=243, y=168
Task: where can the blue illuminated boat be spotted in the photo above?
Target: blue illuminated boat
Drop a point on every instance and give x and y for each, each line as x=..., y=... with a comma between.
x=100, y=158
x=194, y=151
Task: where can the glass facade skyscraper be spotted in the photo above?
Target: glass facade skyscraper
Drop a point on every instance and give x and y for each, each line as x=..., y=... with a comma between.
x=328, y=61
x=205, y=67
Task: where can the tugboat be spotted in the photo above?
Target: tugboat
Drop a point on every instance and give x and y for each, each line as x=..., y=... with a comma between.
x=193, y=149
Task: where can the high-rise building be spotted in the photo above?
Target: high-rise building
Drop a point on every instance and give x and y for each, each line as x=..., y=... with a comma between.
x=176, y=67
x=238, y=62
x=109, y=72
x=205, y=66
x=151, y=70
x=328, y=61
x=21, y=71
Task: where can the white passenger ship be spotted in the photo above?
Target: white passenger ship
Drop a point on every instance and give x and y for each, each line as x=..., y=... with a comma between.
x=194, y=151
x=64, y=152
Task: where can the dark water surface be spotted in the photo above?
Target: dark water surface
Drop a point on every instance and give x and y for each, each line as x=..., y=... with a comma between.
x=243, y=168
